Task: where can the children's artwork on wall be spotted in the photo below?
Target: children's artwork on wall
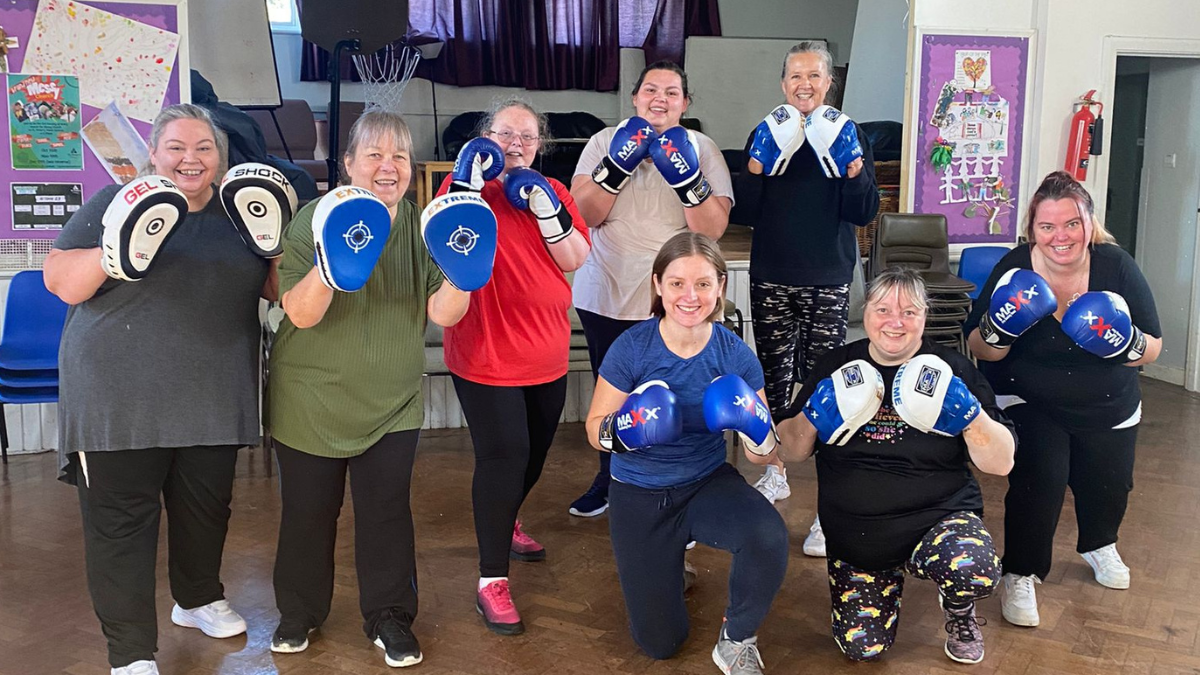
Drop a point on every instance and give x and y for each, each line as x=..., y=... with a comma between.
x=970, y=111
x=116, y=143
x=116, y=58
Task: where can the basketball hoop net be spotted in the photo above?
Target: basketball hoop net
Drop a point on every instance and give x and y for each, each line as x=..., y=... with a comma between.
x=385, y=74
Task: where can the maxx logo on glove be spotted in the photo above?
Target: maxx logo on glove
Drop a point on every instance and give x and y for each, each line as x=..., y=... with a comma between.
x=677, y=159
x=1104, y=330
x=641, y=415
x=1016, y=302
x=635, y=141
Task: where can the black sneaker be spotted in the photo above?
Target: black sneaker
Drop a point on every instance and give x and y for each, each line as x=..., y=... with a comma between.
x=290, y=639
x=396, y=639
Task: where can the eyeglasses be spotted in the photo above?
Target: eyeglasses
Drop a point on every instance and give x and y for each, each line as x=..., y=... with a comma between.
x=507, y=137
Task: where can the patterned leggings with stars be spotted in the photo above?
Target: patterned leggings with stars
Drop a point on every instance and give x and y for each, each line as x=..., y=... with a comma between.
x=957, y=554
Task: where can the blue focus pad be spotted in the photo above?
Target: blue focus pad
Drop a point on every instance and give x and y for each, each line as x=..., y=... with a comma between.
x=459, y=229
x=350, y=229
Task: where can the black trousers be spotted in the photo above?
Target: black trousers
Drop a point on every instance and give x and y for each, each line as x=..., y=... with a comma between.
x=600, y=332
x=509, y=456
x=649, y=530
x=120, y=505
x=1098, y=467
x=793, y=327
x=311, y=490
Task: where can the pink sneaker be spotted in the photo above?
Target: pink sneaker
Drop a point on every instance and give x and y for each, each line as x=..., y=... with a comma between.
x=524, y=548
x=494, y=603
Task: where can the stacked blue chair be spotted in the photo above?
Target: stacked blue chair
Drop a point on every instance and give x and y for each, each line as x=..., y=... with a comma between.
x=976, y=265
x=33, y=324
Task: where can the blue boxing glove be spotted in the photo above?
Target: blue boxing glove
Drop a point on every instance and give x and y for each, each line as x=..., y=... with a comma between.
x=1099, y=322
x=929, y=397
x=350, y=229
x=841, y=403
x=459, y=229
x=630, y=145
x=730, y=404
x=529, y=190
x=675, y=156
x=777, y=138
x=479, y=161
x=834, y=138
x=649, y=416
x=1021, y=298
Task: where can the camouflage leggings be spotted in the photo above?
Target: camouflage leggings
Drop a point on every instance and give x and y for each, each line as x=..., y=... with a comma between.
x=793, y=327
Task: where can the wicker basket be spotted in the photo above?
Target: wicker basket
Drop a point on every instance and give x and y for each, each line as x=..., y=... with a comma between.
x=889, y=202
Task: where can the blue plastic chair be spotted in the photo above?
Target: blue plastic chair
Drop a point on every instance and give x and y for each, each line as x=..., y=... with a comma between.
x=976, y=265
x=33, y=325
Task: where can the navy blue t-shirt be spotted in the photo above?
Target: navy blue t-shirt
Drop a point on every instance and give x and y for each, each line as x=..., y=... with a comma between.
x=640, y=355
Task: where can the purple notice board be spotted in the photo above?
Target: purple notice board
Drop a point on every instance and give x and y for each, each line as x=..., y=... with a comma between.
x=18, y=22
x=970, y=121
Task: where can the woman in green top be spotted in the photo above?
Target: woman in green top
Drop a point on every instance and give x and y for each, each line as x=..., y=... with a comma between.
x=345, y=394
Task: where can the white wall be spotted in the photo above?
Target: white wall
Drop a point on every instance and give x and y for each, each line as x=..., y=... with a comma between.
x=875, y=83
x=1170, y=195
x=833, y=21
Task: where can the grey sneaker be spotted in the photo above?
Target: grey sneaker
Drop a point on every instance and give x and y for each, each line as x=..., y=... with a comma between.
x=1108, y=567
x=773, y=484
x=738, y=658
x=964, y=640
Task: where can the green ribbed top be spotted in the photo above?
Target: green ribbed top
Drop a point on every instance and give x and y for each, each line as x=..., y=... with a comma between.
x=338, y=387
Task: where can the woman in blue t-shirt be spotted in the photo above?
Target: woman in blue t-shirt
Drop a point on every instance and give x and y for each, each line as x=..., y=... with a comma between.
x=657, y=407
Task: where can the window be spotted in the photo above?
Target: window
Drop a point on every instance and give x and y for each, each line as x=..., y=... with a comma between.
x=283, y=16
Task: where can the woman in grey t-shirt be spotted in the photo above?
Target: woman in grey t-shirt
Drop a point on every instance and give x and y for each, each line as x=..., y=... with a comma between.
x=158, y=390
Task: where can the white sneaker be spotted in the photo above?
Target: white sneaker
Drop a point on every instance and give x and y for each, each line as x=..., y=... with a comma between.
x=1110, y=570
x=773, y=484
x=137, y=668
x=216, y=619
x=814, y=543
x=1018, y=602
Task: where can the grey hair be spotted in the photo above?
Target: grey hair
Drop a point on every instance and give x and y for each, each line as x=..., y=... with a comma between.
x=372, y=127
x=501, y=104
x=908, y=282
x=819, y=48
x=188, y=111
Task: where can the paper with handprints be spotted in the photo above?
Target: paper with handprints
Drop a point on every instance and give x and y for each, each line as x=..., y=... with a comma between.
x=116, y=59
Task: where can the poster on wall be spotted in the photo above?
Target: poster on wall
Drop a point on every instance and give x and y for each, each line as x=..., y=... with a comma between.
x=44, y=206
x=43, y=122
x=970, y=115
x=116, y=144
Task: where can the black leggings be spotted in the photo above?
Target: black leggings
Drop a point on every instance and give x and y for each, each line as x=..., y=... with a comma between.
x=1098, y=467
x=509, y=456
x=119, y=499
x=793, y=327
x=601, y=332
x=311, y=491
x=957, y=554
x=649, y=530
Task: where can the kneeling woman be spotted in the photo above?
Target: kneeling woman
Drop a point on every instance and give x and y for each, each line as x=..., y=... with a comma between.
x=656, y=404
x=893, y=420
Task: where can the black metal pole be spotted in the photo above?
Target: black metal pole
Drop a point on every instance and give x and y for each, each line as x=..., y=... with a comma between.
x=437, y=153
x=335, y=102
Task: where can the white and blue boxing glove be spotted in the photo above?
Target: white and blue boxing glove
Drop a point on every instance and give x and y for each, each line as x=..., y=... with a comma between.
x=137, y=224
x=929, y=397
x=841, y=403
x=677, y=158
x=630, y=145
x=1021, y=299
x=1099, y=322
x=731, y=405
x=529, y=190
x=777, y=138
x=649, y=416
x=834, y=138
x=350, y=229
x=459, y=229
x=479, y=161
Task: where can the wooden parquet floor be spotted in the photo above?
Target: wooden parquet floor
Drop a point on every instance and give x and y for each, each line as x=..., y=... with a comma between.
x=572, y=604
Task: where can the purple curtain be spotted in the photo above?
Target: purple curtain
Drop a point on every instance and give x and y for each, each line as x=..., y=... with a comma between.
x=539, y=44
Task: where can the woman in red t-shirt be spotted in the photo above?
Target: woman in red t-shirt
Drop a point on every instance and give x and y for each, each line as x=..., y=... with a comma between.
x=508, y=356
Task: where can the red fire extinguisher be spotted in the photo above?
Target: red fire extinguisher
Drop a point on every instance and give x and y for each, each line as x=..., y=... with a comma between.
x=1086, y=137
